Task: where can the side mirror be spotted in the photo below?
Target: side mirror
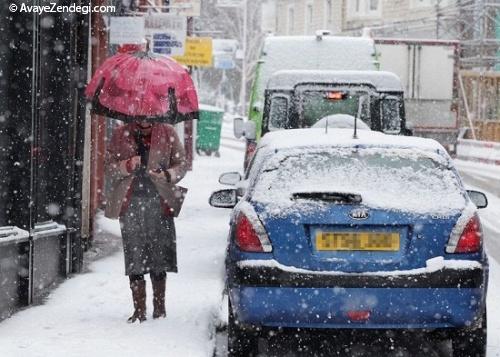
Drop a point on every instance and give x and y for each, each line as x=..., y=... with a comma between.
x=241, y=188
x=478, y=198
x=238, y=127
x=230, y=178
x=250, y=130
x=244, y=128
x=223, y=199
x=257, y=107
x=406, y=132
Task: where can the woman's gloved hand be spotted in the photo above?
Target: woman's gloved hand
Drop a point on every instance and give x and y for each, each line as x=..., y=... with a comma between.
x=160, y=175
x=128, y=166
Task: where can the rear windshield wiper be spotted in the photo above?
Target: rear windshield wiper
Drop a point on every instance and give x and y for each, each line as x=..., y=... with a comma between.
x=333, y=197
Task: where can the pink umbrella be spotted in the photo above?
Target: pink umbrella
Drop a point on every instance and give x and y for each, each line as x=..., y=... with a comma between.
x=140, y=85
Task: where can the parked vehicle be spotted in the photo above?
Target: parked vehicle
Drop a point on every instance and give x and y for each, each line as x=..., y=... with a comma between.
x=334, y=232
x=428, y=70
x=304, y=98
x=431, y=104
x=320, y=52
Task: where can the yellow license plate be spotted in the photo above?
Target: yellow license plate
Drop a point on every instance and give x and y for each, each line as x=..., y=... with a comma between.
x=357, y=241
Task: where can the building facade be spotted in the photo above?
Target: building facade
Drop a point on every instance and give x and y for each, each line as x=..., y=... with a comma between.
x=401, y=18
x=43, y=71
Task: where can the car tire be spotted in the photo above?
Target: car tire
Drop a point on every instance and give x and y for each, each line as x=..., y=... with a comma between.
x=471, y=342
x=241, y=341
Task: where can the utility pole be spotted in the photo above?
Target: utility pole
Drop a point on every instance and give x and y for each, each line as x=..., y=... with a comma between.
x=188, y=125
x=438, y=17
x=243, y=90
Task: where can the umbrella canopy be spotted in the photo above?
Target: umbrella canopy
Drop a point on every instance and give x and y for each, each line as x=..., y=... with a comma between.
x=143, y=86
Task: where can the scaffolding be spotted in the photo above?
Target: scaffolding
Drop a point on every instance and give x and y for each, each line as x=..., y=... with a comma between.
x=476, y=24
x=476, y=27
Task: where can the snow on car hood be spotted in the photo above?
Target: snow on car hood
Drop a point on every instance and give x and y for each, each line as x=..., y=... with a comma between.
x=408, y=180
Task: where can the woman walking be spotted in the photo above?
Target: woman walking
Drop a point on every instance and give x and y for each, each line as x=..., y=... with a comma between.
x=144, y=161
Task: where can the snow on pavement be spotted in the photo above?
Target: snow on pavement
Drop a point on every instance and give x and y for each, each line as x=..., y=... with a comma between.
x=482, y=177
x=493, y=304
x=86, y=315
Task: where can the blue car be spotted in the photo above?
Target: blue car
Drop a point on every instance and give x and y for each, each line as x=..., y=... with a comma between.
x=331, y=232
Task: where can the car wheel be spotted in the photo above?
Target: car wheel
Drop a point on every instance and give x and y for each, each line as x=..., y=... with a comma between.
x=471, y=342
x=242, y=341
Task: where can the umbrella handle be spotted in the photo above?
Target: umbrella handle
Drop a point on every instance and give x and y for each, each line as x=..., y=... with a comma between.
x=172, y=103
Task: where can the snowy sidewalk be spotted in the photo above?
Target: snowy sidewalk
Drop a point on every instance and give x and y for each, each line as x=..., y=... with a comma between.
x=86, y=315
x=484, y=176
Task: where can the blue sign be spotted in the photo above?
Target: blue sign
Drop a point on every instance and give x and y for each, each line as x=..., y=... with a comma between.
x=165, y=44
x=224, y=61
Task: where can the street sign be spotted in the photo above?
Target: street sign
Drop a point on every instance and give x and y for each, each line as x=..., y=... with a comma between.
x=167, y=33
x=225, y=45
x=186, y=7
x=198, y=52
x=224, y=53
x=224, y=61
x=126, y=30
x=229, y=3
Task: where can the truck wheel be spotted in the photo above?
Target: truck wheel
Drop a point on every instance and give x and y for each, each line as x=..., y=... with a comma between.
x=471, y=342
x=242, y=342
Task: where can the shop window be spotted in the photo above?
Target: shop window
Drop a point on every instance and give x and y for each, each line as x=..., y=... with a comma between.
x=364, y=8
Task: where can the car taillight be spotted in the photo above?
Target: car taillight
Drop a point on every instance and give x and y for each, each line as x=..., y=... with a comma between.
x=250, y=234
x=469, y=240
x=249, y=151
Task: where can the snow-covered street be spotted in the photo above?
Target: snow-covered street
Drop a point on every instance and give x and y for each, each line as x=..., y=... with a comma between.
x=235, y=178
x=86, y=315
x=486, y=178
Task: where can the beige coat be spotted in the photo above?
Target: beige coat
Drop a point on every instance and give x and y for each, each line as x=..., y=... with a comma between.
x=166, y=151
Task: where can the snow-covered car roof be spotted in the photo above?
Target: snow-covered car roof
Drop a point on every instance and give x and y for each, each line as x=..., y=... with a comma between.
x=433, y=189
x=288, y=79
x=320, y=137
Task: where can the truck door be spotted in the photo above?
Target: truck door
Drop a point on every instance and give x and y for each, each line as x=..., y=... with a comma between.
x=426, y=69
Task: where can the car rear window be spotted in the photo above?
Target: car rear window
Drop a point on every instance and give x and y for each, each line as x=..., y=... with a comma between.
x=400, y=179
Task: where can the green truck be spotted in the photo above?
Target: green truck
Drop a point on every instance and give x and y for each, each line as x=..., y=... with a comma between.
x=320, y=52
x=307, y=98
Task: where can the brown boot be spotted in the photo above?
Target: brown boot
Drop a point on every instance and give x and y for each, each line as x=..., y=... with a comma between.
x=159, y=298
x=138, y=288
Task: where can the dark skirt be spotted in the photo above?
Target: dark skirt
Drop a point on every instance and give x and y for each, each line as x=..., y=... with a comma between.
x=149, y=241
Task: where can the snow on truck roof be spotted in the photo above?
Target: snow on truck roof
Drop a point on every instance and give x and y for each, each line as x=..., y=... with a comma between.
x=331, y=52
x=317, y=137
x=306, y=52
x=288, y=79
